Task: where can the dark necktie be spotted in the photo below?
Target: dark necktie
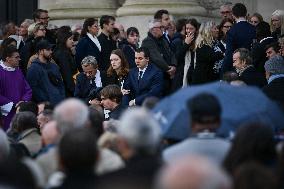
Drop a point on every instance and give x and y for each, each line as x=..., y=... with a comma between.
x=140, y=76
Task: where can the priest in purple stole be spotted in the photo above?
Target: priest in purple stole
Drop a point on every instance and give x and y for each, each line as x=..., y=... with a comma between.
x=13, y=85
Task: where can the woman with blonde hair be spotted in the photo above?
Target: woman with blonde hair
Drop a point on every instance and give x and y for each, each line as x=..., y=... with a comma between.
x=277, y=23
x=205, y=56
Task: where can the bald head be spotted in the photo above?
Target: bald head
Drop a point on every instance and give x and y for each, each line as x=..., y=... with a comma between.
x=49, y=133
x=193, y=172
x=71, y=113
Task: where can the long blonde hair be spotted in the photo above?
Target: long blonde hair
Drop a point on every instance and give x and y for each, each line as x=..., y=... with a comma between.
x=205, y=36
x=280, y=14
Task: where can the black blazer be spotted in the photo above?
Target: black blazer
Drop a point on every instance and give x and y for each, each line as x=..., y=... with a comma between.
x=241, y=35
x=86, y=47
x=259, y=55
x=205, y=60
x=251, y=77
x=151, y=84
x=275, y=90
x=107, y=45
x=83, y=87
x=67, y=66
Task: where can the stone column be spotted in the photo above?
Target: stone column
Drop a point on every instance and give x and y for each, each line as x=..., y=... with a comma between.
x=68, y=12
x=138, y=13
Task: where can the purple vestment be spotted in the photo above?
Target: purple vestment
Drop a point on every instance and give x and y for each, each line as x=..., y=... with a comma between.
x=13, y=88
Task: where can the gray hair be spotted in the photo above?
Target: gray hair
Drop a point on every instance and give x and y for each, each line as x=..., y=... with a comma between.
x=28, y=22
x=153, y=23
x=140, y=130
x=275, y=65
x=69, y=114
x=4, y=145
x=90, y=60
x=244, y=55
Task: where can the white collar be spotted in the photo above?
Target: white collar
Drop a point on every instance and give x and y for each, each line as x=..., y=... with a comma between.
x=265, y=39
x=98, y=79
x=144, y=69
x=241, y=20
x=7, y=68
x=95, y=40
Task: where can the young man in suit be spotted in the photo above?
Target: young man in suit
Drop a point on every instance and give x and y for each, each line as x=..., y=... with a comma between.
x=144, y=81
x=241, y=35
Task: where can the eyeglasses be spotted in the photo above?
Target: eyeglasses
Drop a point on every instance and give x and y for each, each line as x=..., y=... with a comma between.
x=227, y=26
x=44, y=18
x=255, y=22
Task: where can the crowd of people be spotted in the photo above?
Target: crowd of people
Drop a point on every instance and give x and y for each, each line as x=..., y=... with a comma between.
x=76, y=102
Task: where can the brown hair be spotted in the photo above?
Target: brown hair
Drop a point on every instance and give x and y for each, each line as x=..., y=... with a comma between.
x=112, y=92
x=124, y=64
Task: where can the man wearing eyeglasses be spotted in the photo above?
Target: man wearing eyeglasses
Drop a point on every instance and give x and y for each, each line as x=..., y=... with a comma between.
x=13, y=85
x=41, y=16
x=226, y=11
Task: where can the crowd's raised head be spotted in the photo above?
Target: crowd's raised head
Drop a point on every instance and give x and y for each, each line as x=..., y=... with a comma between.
x=78, y=151
x=140, y=131
x=275, y=65
x=239, y=10
x=71, y=113
x=205, y=112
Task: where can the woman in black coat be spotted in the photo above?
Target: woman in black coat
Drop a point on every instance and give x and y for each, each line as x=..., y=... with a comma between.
x=205, y=55
x=64, y=58
x=183, y=43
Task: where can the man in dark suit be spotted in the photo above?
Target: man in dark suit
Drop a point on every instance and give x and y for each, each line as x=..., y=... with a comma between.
x=107, y=44
x=161, y=55
x=244, y=67
x=144, y=81
x=274, y=68
x=241, y=35
x=88, y=81
x=263, y=36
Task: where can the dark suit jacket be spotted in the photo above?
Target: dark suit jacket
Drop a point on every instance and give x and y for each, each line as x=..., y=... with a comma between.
x=275, y=90
x=151, y=84
x=160, y=52
x=86, y=47
x=107, y=45
x=65, y=60
x=83, y=87
x=129, y=52
x=259, y=55
x=251, y=77
x=139, y=173
x=205, y=59
x=241, y=35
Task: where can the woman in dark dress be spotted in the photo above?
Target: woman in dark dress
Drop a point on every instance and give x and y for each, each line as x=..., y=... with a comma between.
x=64, y=58
x=117, y=71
